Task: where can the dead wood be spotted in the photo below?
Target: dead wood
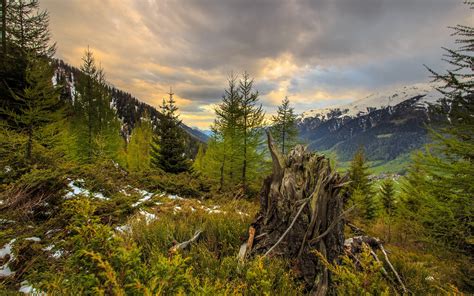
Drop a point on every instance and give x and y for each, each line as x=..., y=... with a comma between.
x=301, y=210
x=181, y=246
x=354, y=245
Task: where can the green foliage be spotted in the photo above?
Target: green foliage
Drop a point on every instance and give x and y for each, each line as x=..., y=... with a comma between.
x=139, y=146
x=27, y=28
x=95, y=127
x=235, y=153
x=39, y=105
x=387, y=196
x=284, y=129
x=361, y=277
x=360, y=187
x=168, y=147
x=440, y=185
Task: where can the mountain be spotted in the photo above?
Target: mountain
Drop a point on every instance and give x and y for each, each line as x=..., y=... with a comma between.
x=129, y=109
x=387, y=124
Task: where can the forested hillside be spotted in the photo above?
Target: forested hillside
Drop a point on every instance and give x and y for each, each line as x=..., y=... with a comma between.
x=101, y=194
x=387, y=125
x=129, y=109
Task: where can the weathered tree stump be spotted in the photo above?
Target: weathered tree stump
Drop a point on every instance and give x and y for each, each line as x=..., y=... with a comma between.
x=301, y=211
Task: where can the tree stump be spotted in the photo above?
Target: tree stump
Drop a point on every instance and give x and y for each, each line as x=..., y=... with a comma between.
x=301, y=211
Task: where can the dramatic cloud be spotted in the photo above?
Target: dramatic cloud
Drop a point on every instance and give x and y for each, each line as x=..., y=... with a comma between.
x=318, y=52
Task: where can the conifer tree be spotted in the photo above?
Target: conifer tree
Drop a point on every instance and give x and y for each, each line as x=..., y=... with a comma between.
x=168, y=148
x=198, y=164
x=97, y=129
x=139, y=147
x=26, y=35
x=439, y=187
x=387, y=197
x=252, y=122
x=228, y=131
x=284, y=129
x=40, y=104
x=361, y=184
x=27, y=28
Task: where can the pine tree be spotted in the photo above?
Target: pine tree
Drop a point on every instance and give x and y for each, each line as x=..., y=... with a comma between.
x=439, y=187
x=139, y=147
x=361, y=184
x=252, y=122
x=40, y=104
x=284, y=129
x=168, y=148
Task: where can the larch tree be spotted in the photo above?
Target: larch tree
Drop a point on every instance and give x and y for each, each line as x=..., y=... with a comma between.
x=97, y=129
x=198, y=164
x=284, y=129
x=252, y=123
x=168, y=147
x=228, y=131
x=139, y=146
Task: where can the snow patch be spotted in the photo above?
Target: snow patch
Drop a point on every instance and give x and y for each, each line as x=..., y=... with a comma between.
x=149, y=217
x=75, y=190
x=145, y=197
x=33, y=239
x=123, y=228
x=5, y=270
x=174, y=197
x=26, y=288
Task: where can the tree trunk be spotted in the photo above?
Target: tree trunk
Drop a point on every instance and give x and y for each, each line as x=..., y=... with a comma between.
x=301, y=211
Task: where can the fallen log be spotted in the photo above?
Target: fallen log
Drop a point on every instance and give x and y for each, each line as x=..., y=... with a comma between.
x=301, y=210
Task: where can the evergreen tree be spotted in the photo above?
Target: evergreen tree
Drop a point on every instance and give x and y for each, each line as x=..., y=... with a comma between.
x=26, y=35
x=361, y=184
x=387, y=197
x=27, y=28
x=139, y=147
x=40, y=104
x=228, y=132
x=252, y=122
x=168, y=148
x=439, y=188
x=284, y=129
x=97, y=129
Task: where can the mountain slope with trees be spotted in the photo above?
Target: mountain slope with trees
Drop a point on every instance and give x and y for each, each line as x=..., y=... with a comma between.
x=387, y=125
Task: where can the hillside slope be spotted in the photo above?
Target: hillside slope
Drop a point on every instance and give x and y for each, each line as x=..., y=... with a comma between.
x=387, y=124
x=129, y=109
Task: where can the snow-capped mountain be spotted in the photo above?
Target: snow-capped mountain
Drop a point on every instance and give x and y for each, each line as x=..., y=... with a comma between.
x=377, y=101
x=387, y=124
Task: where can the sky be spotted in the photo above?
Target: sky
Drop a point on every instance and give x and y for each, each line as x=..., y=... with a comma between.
x=319, y=53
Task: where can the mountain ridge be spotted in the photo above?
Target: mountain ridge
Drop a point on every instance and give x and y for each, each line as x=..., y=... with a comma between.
x=129, y=109
x=386, y=124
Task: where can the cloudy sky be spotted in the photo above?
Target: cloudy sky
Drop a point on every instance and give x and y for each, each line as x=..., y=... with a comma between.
x=316, y=52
